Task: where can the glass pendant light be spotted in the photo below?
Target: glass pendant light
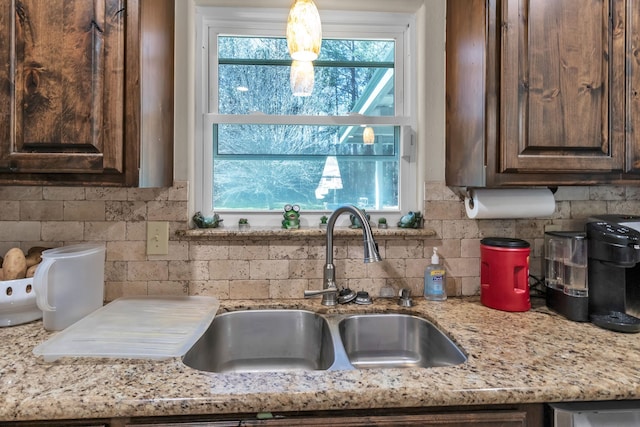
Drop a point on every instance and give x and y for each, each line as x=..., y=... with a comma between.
x=368, y=136
x=304, y=31
x=302, y=78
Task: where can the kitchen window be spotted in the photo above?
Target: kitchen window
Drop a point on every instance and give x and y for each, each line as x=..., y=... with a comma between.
x=259, y=147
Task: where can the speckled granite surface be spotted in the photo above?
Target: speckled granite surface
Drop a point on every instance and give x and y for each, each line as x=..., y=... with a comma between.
x=535, y=356
x=276, y=232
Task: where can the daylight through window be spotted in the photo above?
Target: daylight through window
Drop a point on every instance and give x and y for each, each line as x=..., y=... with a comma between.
x=265, y=147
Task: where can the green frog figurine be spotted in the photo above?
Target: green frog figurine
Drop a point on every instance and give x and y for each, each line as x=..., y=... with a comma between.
x=411, y=220
x=291, y=217
x=355, y=222
x=206, y=222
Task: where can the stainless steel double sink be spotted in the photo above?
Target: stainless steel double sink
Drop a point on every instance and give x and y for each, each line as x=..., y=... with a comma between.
x=283, y=340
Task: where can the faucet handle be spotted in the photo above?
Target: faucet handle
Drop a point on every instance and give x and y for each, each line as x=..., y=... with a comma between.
x=315, y=293
x=405, y=298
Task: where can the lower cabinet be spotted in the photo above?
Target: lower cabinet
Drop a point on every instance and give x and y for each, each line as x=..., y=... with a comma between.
x=529, y=415
x=488, y=416
x=58, y=423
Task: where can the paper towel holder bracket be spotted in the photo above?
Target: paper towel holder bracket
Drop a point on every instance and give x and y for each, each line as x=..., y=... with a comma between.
x=465, y=192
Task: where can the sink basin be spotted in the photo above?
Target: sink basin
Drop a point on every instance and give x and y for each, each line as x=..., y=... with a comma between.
x=396, y=341
x=263, y=340
x=284, y=340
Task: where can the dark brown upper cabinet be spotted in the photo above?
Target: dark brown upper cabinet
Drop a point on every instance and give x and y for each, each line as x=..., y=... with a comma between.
x=86, y=91
x=542, y=92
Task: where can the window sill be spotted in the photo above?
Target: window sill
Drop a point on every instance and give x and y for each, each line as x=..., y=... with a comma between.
x=281, y=233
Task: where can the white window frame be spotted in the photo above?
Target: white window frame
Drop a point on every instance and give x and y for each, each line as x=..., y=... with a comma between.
x=211, y=21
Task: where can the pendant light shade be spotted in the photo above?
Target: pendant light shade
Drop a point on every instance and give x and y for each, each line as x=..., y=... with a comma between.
x=368, y=136
x=302, y=78
x=304, y=31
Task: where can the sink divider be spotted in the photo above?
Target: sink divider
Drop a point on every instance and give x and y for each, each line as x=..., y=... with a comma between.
x=341, y=359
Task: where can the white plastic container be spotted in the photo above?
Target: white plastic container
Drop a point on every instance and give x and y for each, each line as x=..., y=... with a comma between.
x=69, y=284
x=18, y=302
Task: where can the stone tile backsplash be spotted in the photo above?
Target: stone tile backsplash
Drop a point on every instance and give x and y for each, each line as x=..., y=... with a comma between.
x=273, y=268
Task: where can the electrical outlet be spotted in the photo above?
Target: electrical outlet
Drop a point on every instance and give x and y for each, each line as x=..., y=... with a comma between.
x=157, y=238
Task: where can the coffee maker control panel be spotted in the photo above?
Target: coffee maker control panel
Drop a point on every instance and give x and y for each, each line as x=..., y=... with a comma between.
x=613, y=233
x=613, y=243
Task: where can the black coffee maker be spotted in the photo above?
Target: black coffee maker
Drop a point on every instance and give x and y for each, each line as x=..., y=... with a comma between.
x=614, y=272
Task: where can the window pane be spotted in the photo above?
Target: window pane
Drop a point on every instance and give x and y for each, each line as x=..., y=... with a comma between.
x=357, y=50
x=234, y=47
x=350, y=76
x=262, y=48
x=315, y=184
x=263, y=167
x=297, y=140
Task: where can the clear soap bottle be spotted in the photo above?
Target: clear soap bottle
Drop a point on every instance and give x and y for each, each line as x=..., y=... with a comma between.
x=435, y=279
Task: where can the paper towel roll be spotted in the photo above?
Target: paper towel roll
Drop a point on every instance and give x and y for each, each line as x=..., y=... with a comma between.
x=509, y=203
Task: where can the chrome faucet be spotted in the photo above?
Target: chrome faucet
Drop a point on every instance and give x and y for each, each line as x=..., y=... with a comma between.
x=329, y=290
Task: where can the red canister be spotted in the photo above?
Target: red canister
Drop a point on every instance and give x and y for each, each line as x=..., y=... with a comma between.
x=504, y=273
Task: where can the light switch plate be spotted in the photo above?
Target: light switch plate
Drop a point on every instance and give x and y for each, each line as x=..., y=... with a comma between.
x=157, y=238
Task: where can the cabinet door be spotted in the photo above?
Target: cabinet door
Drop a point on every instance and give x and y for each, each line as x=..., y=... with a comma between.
x=461, y=419
x=562, y=86
x=472, y=419
x=471, y=87
x=62, y=86
x=633, y=89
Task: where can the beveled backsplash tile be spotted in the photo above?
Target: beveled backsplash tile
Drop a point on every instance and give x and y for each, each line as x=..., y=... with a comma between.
x=249, y=289
x=268, y=264
x=42, y=210
x=216, y=288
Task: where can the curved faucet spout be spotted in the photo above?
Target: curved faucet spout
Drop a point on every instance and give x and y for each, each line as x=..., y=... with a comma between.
x=330, y=290
x=370, y=247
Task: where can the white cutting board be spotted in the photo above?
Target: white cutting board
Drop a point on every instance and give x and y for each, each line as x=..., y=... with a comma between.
x=135, y=327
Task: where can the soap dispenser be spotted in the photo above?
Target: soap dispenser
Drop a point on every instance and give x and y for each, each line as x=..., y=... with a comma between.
x=435, y=279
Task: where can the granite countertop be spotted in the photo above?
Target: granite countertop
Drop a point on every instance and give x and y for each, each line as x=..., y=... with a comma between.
x=536, y=356
x=233, y=232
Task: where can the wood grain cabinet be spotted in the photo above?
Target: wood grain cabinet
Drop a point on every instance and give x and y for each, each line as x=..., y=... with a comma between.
x=505, y=419
x=86, y=88
x=542, y=92
x=526, y=415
